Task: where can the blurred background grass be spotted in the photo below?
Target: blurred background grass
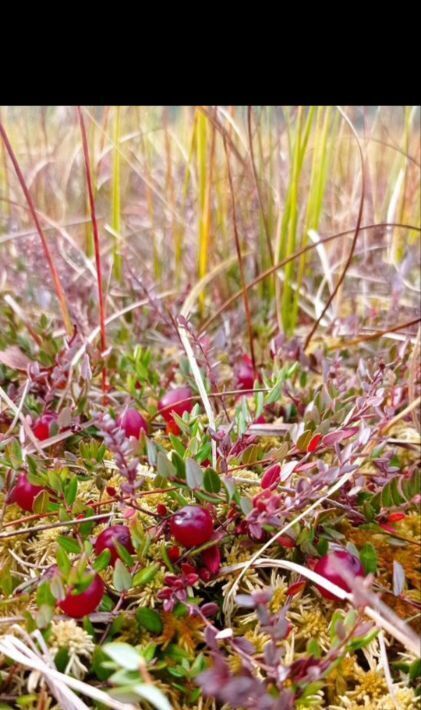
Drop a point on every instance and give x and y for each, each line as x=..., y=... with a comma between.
x=165, y=209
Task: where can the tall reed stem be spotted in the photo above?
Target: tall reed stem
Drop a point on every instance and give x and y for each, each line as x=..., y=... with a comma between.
x=96, y=244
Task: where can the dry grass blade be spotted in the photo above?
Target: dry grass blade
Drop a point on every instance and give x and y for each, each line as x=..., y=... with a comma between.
x=354, y=241
x=258, y=190
x=28, y=431
x=53, y=269
x=240, y=259
x=19, y=652
x=200, y=385
x=298, y=253
x=228, y=601
x=96, y=243
x=385, y=619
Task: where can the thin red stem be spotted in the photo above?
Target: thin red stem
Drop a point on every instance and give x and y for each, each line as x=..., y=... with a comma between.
x=54, y=273
x=96, y=243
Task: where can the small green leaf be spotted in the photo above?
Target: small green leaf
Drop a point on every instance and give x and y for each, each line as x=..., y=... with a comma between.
x=32, y=465
x=165, y=468
x=149, y=619
x=313, y=648
x=246, y=505
x=229, y=484
x=386, y=497
x=178, y=445
x=69, y=544
x=122, y=578
x=61, y=659
x=152, y=452
x=194, y=474
x=152, y=695
x=397, y=497
x=211, y=481
x=54, y=481
x=63, y=561
x=179, y=464
x=124, y=655
x=304, y=440
x=368, y=557
x=71, y=491
x=102, y=561
x=124, y=554
x=14, y=454
x=44, y=595
x=41, y=502
x=415, y=670
x=145, y=575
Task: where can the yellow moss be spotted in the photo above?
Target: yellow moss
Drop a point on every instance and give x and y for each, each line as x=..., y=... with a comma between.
x=371, y=684
x=79, y=644
x=410, y=526
x=403, y=699
x=310, y=623
x=187, y=630
x=258, y=639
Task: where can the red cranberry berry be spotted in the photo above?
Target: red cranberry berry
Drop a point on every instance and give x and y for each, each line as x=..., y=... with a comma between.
x=192, y=526
x=107, y=539
x=24, y=493
x=132, y=423
x=173, y=401
x=174, y=553
x=79, y=605
x=42, y=425
x=245, y=373
x=330, y=566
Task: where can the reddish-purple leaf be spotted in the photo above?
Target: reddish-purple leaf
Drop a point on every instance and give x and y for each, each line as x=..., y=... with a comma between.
x=271, y=476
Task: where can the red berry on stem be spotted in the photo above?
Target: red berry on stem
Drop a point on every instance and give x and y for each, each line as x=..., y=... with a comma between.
x=174, y=554
x=330, y=567
x=42, y=425
x=24, y=493
x=79, y=605
x=132, y=423
x=192, y=526
x=107, y=539
x=173, y=401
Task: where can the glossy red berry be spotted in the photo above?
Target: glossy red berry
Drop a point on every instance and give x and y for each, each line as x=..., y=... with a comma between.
x=24, y=493
x=79, y=605
x=107, y=539
x=42, y=425
x=174, y=401
x=327, y=568
x=174, y=553
x=244, y=373
x=132, y=423
x=192, y=526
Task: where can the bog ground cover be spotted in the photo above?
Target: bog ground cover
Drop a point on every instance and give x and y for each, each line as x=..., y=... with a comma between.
x=209, y=407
